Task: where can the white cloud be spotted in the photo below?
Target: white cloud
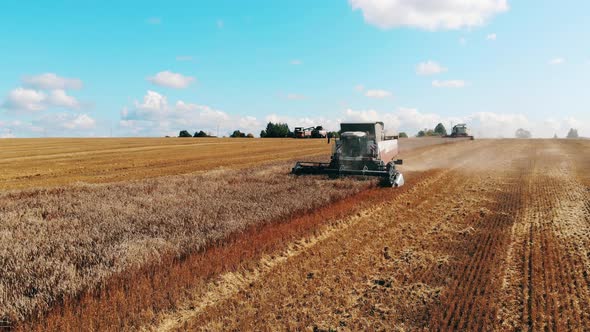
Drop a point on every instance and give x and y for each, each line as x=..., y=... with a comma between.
x=493, y=125
x=42, y=92
x=481, y=124
x=556, y=61
x=65, y=124
x=296, y=62
x=429, y=14
x=378, y=93
x=359, y=88
x=50, y=81
x=155, y=116
x=25, y=100
x=491, y=36
x=51, y=124
x=80, y=121
x=448, y=84
x=429, y=68
x=220, y=24
x=172, y=80
x=413, y=119
x=60, y=98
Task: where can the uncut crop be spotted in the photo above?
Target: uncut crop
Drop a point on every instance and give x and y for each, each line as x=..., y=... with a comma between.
x=55, y=243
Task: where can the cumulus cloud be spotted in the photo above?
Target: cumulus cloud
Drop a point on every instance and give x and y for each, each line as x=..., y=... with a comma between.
x=296, y=62
x=491, y=36
x=80, y=121
x=428, y=14
x=55, y=124
x=60, y=98
x=481, y=124
x=51, y=81
x=429, y=68
x=41, y=92
x=154, y=115
x=448, y=84
x=25, y=100
x=556, y=61
x=377, y=93
x=172, y=80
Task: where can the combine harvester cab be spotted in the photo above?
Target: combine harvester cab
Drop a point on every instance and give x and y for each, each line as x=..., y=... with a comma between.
x=362, y=150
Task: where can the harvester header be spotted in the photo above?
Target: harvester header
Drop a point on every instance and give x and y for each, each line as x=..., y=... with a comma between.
x=363, y=149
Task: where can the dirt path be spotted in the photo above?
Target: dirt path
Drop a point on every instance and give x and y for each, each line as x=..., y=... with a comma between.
x=497, y=241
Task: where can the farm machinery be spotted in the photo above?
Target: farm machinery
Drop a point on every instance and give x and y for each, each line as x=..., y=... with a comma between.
x=311, y=132
x=460, y=130
x=362, y=150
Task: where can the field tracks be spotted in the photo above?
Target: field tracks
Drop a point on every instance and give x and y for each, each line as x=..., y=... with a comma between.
x=546, y=285
x=229, y=284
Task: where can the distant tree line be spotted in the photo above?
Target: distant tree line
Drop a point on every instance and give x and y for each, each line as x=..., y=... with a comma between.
x=238, y=134
x=276, y=130
x=523, y=133
x=439, y=130
x=200, y=133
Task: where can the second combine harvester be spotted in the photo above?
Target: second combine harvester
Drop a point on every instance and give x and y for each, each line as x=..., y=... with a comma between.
x=363, y=149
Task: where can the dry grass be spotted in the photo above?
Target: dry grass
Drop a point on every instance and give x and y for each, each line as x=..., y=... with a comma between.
x=26, y=163
x=76, y=250
x=58, y=242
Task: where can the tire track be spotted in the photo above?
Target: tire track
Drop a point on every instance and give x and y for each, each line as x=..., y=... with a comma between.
x=349, y=286
x=230, y=284
x=552, y=237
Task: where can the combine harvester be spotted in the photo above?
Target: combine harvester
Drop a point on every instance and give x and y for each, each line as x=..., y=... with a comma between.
x=311, y=132
x=363, y=149
x=460, y=131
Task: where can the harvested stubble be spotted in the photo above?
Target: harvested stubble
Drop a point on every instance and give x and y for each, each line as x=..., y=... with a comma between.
x=58, y=242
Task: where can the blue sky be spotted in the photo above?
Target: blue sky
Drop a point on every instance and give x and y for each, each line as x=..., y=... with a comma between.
x=152, y=68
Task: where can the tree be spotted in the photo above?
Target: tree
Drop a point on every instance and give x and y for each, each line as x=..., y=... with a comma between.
x=573, y=133
x=184, y=133
x=403, y=135
x=440, y=130
x=276, y=130
x=426, y=132
x=200, y=134
x=522, y=133
x=237, y=133
x=250, y=135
